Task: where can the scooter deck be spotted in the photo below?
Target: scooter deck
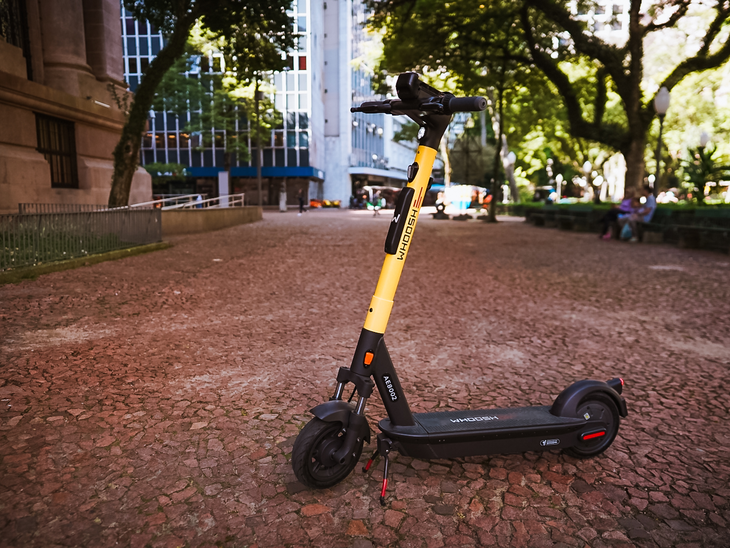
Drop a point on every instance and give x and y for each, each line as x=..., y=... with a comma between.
x=450, y=434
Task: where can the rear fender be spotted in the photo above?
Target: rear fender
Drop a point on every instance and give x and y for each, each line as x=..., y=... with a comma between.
x=337, y=411
x=566, y=404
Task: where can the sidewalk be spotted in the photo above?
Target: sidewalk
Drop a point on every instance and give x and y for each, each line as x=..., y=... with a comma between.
x=154, y=401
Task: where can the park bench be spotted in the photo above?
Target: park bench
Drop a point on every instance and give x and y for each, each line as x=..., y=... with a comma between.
x=707, y=228
x=578, y=217
x=545, y=216
x=661, y=227
x=529, y=212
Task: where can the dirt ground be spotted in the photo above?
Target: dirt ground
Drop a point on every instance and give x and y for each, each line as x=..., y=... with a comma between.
x=154, y=401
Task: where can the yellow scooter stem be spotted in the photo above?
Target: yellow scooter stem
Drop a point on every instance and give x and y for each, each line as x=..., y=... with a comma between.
x=382, y=301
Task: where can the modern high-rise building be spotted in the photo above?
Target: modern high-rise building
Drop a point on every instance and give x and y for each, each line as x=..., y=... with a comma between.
x=321, y=147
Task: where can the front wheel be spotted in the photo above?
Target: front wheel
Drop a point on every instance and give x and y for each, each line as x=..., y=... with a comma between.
x=597, y=407
x=312, y=454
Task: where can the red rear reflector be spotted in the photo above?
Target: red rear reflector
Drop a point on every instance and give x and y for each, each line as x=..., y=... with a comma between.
x=622, y=382
x=593, y=435
x=368, y=358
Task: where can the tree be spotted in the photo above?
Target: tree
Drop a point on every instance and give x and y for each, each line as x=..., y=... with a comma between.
x=546, y=35
x=252, y=54
x=163, y=174
x=480, y=48
x=176, y=18
x=472, y=154
x=618, y=68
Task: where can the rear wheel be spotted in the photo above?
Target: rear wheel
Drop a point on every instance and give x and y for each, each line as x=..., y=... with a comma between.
x=602, y=408
x=312, y=454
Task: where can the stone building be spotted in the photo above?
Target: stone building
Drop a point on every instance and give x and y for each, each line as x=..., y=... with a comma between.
x=61, y=78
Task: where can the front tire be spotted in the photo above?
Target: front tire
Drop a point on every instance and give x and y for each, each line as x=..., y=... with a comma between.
x=603, y=408
x=316, y=441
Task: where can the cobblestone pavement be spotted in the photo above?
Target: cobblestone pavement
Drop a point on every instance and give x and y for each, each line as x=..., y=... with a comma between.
x=154, y=401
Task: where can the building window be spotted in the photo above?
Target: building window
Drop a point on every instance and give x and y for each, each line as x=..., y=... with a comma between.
x=14, y=28
x=57, y=142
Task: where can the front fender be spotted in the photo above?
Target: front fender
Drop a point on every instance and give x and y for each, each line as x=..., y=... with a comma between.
x=566, y=404
x=337, y=411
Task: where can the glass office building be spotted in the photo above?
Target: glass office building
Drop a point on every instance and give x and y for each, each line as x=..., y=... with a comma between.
x=285, y=156
x=305, y=94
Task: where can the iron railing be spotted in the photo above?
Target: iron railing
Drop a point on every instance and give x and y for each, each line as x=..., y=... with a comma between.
x=194, y=201
x=36, y=238
x=172, y=201
x=25, y=209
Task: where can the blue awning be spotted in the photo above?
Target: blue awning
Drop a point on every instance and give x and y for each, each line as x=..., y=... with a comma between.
x=302, y=172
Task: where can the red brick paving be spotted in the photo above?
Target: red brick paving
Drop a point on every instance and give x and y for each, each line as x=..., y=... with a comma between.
x=153, y=401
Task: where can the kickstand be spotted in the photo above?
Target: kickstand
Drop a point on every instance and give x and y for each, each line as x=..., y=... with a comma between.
x=384, y=446
x=370, y=462
x=386, y=462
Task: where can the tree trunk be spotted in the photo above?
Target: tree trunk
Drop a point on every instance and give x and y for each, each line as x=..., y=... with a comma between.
x=259, y=152
x=126, y=153
x=498, y=109
x=510, y=175
x=635, y=163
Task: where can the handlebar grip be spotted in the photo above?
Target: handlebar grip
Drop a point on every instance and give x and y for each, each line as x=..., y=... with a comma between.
x=467, y=104
x=372, y=107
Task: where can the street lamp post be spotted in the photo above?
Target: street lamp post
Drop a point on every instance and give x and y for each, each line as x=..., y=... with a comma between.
x=704, y=139
x=587, y=168
x=508, y=162
x=661, y=105
x=549, y=171
x=558, y=185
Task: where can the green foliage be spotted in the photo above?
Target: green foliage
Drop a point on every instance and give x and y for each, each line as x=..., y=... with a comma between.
x=701, y=167
x=253, y=24
x=165, y=172
x=482, y=49
x=407, y=133
x=471, y=162
x=177, y=91
x=220, y=106
x=508, y=45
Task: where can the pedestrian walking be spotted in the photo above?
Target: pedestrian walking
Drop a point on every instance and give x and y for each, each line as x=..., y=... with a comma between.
x=300, y=197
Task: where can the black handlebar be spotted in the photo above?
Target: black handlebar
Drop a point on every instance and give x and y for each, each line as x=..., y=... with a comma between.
x=467, y=104
x=446, y=104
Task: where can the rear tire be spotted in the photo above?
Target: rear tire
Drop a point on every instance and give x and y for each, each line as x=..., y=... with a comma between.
x=599, y=407
x=315, y=440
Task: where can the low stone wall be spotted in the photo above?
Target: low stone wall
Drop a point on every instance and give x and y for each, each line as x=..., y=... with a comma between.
x=191, y=221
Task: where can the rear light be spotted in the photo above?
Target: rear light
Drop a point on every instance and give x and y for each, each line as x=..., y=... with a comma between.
x=617, y=384
x=592, y=435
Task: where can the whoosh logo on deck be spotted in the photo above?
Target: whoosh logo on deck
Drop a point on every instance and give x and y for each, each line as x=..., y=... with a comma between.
x=476, y=419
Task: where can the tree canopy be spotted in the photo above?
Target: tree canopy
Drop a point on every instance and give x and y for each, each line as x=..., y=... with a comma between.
x=601, y=84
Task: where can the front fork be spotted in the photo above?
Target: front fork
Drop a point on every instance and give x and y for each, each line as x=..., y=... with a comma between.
x=371, y=360
x=357, y=428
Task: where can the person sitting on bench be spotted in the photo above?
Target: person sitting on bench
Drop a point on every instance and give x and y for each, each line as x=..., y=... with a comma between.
x=613, y=214
x=643, y=214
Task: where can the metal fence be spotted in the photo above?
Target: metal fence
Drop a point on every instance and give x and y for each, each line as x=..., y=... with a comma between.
x=24, y=209
x=35, y=238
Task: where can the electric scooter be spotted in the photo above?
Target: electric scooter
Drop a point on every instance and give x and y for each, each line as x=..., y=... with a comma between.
x=583, y=419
